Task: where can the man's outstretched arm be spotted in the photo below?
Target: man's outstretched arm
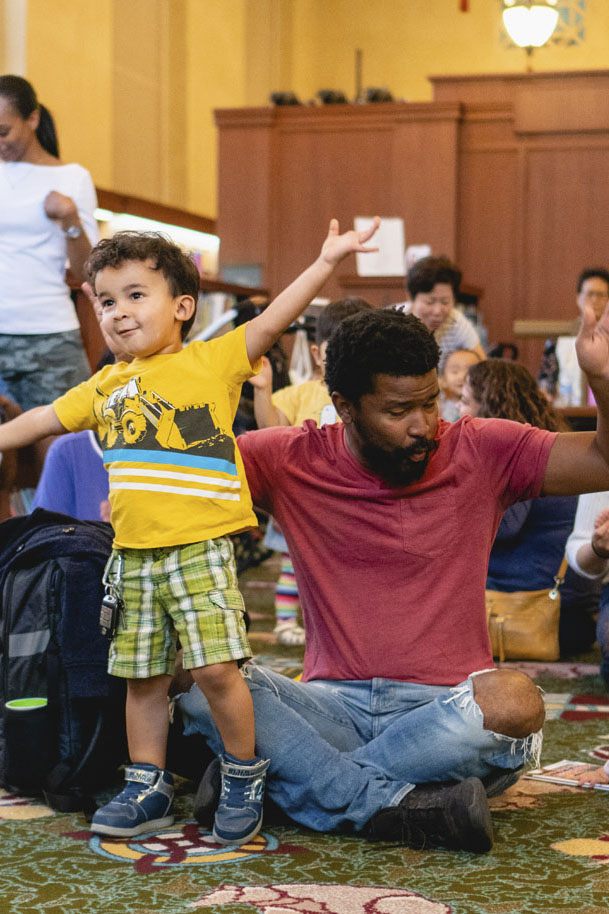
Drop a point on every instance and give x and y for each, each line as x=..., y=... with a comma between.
x=579, y=461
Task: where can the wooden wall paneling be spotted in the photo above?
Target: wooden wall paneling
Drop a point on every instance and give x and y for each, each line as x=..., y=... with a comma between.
x=245, y=179
x=488, y=234
x=425, y=174
x=391, y=160
x=284, y=172
x=567, y=227
x=487, y=227
x=329, y=170
x=485, y=173
x=483, y=88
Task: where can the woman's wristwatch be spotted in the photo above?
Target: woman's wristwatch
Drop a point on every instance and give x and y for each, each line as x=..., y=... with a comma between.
x=73, y=232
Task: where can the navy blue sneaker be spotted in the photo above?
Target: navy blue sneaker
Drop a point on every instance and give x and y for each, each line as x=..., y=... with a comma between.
x=143, y=806
x=239, y=814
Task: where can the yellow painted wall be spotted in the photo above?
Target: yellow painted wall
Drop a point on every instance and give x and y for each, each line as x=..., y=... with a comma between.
x=215, y=78
x=133, y=83
x=405, y=41
x=69, y=62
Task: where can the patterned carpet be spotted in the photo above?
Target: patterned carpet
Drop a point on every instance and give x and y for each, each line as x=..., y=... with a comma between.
x=551, y=849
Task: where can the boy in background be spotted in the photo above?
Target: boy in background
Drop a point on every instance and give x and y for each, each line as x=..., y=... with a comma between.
x=177, y=490
x=293, y=405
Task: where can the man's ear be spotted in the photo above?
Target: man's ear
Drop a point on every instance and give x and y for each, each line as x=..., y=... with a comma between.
x=185, y=307
x=343, y=407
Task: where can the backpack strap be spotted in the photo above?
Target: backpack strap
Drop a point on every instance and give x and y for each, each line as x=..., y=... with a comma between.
x=61, y=792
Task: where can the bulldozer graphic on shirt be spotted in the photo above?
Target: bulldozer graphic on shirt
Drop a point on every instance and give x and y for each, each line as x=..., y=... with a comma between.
x=134, y=418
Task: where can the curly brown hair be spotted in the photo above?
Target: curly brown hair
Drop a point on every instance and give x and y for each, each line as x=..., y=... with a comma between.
x=162, y=254
x=507, y=390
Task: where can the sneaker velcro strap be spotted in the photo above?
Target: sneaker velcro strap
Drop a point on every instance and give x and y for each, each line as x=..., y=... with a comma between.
x=244, y=771
x=141, y=776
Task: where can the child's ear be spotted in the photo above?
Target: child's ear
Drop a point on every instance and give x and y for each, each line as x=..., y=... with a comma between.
x=315, y=354
x=185, y=307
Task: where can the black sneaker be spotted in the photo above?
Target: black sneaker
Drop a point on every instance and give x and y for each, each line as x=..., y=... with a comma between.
x=455, y=816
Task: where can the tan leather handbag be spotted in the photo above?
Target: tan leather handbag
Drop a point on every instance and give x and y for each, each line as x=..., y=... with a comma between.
x=523, y=625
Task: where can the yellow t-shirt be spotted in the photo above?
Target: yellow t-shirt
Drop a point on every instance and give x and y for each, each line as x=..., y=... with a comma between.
x=309, y=400
x=165, y=426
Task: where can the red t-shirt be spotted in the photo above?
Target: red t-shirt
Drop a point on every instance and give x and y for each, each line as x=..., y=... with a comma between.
x=392, y=581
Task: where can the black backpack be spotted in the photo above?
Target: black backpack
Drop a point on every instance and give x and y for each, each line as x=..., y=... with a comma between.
x=51, y=568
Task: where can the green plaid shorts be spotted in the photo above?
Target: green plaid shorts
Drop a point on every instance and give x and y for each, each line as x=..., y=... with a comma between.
x=190, y=591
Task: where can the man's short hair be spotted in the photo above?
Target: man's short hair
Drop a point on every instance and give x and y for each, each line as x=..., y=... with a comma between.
x=331, y=316
x=592, y=273
x=163, y=254
x=427, y=272
x=377, y=342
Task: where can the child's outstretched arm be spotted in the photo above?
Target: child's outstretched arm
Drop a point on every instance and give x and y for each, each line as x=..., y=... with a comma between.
x=29, y=427
x=262, y=331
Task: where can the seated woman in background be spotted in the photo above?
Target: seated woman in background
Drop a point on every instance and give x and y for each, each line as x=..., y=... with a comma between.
x=588, y=555
x=531, y=539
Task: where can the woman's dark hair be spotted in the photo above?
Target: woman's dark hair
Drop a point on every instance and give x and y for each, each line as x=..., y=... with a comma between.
x=427, y=272
x=507, y=390
x=20, y=93
x=592, y=273
x=377, y=342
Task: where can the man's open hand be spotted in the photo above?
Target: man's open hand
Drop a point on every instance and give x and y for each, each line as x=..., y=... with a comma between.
x=592, y=343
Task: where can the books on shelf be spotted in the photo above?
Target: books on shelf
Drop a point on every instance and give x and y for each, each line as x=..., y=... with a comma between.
x=564, y=772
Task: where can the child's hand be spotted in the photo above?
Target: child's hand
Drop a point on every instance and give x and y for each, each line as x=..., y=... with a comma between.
x=88, y=291
x=264, y=379
x=598, y=776
x=336, y=246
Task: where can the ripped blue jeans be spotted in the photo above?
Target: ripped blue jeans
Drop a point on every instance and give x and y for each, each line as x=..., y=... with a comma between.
x=341, y=750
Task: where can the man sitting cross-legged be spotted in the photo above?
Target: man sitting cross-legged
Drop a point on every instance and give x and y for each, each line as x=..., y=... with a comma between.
x=401, y=727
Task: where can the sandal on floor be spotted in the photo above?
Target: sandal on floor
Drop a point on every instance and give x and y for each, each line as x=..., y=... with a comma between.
x=289, y=634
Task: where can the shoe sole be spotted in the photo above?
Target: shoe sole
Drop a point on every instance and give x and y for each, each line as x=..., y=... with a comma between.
x=219, y=839
x=151, y=826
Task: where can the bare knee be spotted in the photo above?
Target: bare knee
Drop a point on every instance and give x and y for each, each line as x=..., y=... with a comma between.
x=150, y=688
x=217, y=677
x=510, y=703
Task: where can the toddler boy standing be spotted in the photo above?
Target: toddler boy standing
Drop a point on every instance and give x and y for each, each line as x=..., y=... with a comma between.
x=177, y=490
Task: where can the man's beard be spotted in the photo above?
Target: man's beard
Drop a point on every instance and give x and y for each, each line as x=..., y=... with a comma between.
x=396, y=467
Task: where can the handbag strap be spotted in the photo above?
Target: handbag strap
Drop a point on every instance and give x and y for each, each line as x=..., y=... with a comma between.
x=559, y=578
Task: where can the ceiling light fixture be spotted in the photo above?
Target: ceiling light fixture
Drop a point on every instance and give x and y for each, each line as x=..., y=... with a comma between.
x=530, y=23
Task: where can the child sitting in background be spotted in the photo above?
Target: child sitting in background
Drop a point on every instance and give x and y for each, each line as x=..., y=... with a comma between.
x=292, y=405
x=177, y=489
x=451, y=381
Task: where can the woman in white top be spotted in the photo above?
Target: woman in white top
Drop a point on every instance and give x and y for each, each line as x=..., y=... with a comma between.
x=588, y=554
x=46, y=223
